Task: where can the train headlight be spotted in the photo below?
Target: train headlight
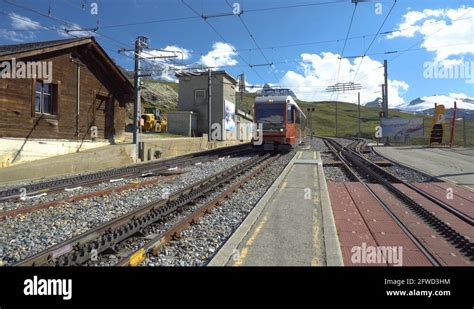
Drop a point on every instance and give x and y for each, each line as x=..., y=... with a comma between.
x=281, y=130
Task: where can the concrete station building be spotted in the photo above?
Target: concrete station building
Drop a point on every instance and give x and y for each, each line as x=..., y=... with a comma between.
x=192, y=117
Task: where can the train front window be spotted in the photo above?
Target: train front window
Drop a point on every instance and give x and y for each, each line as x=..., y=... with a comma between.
x=272, y=116
x=290, y=114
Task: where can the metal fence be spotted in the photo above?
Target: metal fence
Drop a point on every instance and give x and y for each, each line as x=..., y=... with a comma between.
x=463, y=134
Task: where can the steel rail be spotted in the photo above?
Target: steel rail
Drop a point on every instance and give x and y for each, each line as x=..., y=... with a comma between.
x=463, y=244
x=153, y=167
x=80, y=248
x=158, y=240
x=463, y=216
x=433, y=260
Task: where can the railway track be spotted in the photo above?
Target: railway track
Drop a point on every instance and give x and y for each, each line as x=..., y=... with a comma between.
x=137, y=170
x=158, y=240
x=106, y=237
x=452, y=225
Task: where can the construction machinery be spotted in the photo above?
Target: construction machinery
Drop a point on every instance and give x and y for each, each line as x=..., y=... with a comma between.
x=153, y=121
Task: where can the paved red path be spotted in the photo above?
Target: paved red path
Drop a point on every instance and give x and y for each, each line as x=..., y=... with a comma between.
x=362, y=222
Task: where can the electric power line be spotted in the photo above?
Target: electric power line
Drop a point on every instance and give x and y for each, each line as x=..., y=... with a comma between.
x=223, y=39
x=373, y=40
x=345, y=41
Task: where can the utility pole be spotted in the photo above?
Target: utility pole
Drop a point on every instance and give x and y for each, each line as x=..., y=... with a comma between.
x=463, y=130
x=385, y=107
x=358, y=110
x=342, y=87
x=310, y=111
x=209, y=102
x=141, y=42
x=242, y=89
x=385, y=74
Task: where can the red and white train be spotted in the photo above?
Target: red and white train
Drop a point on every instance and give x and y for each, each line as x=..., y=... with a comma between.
x=283, y=121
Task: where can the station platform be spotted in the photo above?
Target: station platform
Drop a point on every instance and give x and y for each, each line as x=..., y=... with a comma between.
x=452, y=164
x=292, y=225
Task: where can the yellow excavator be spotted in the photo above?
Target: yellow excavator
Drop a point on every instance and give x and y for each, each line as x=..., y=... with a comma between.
x=153, y=121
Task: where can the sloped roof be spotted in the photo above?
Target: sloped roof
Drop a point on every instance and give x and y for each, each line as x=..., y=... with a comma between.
x=7, y=52
x=19, y=48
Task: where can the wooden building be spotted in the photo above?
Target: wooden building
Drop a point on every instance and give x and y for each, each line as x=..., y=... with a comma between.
x=85, y=90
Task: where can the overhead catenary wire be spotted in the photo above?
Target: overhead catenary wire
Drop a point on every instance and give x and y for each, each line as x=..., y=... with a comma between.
x=256, y=44
x=345, y=41
x=201, y=15
x=247, y=49
x=399, y=52
x=275, y=62
x=373, y=40
x=412, y=47
x=223, y=39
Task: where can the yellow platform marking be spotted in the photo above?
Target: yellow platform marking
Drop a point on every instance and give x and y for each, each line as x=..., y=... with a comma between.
x=315, y=261
x=316, y=245
x=250, y=241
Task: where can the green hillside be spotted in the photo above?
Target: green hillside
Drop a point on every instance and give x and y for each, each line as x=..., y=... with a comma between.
x=324, y=119
x=165, y=95
x=324, y=122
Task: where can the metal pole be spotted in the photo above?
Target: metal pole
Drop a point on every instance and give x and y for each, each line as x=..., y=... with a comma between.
x=140, y=43
x=78, y=99
x=453, y=126
x=464, y=130
x=137, y=101
x=336, y=118
x=387, y=141
x=386, y=88
x=358, y=111
x=209, y=102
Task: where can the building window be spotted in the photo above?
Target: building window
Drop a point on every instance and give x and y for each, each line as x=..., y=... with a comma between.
x=45, y=102
x=199, y=96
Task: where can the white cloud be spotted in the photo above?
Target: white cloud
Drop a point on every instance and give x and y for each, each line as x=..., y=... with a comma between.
x=456, y=28
x=165, y=68
x=222, y=54
x=320, y=71
x=22, y=27
x=451, y=62
x=23, y=23
x=16, y=36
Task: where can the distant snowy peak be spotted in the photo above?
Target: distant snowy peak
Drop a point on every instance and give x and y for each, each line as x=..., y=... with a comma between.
x=424, y=103
x=375, y=103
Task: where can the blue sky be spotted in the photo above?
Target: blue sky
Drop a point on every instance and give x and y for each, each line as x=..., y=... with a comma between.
x=433, y=29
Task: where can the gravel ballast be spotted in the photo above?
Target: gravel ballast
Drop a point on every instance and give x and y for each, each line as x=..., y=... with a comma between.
x=25, y=235
x=199, y=242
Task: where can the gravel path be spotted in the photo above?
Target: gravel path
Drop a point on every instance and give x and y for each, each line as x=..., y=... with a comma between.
x=25, y=235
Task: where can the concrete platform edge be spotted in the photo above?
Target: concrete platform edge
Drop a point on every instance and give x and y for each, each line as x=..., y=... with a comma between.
x=225, y=252
x=331, y=240
x=390, y=158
